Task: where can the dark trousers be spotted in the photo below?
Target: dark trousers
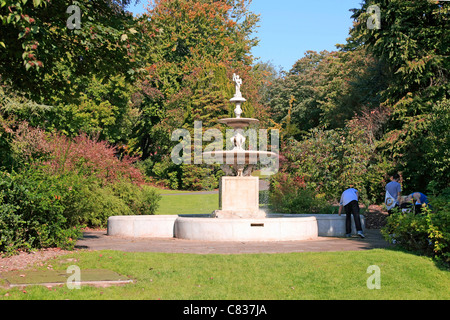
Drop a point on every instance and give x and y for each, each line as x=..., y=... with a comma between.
x=352, y=208
x=390, y=212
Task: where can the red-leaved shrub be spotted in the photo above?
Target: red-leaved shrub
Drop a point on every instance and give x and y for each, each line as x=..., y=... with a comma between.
x=82, y=154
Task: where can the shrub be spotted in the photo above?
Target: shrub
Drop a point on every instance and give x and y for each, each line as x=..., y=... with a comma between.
x=427, y=233
x=288, y=194
x=330, y=160
x=32, y=212
x=92, y=205
x=197, y=178
x=86, y=156
x=142, y=200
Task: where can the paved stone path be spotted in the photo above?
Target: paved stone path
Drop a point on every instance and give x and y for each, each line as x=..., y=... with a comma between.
x=98, y=240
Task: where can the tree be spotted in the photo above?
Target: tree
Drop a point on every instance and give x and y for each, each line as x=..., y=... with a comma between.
x=86, y=74
x=196, y=46
x=413, y=45
x=326, y=89
x=54, y=62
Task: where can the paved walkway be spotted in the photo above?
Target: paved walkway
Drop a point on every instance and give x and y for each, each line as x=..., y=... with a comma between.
x=98, y=240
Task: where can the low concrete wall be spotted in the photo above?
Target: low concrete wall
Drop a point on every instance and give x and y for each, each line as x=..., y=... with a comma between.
x=142, y=226
x=280, y=229
x=329, y=225
x=198, y=227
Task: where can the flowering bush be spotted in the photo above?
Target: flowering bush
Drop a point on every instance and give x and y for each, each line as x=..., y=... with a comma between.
x=61, y=184
x=86, y=156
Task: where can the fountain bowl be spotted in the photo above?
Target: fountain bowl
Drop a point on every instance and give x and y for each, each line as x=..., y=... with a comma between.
x=238, y=156
x=238, y=123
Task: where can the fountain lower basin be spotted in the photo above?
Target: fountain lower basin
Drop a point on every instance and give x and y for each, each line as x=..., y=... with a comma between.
x=276, y=227
x=211, y=229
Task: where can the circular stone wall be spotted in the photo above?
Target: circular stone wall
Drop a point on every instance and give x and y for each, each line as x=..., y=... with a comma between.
x=273, y=229
x=329, y=225
x=142, y=226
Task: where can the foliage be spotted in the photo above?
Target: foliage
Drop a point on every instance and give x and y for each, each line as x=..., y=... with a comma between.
x=196, y=47
x=197, y=178
x=412, y=44
x=39, y=210
x=378, y=104
x=427, y=233
x=85, y=74
x=92, y=204
x=329, y=161
x=61, y=183
x=83, y=155
x=142, y=200
x=326, y=89
x=289, y=194
x=32, y=212
x=55, y=62
x=103, y=109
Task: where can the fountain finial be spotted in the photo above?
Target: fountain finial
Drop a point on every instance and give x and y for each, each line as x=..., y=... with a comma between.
x=237, y=99
x=238, y=81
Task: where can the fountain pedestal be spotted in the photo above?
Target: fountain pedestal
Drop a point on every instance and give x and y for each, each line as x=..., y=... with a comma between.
x=239, y=198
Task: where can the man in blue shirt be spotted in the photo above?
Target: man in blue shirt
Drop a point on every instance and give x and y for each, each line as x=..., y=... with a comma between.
x=349, y=201
x=419, y=199
x=393, y=193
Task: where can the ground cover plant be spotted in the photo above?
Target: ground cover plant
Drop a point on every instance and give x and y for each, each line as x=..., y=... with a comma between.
x=297, y=276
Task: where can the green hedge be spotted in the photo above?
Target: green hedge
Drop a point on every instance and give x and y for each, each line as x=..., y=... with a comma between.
x=32, y=212
x=289, y=194
x=38, y=210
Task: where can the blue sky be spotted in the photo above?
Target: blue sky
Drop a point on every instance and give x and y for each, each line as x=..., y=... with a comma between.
x=288, y=28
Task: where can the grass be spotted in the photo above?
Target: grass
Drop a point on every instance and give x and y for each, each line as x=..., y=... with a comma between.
x=313, y=275
x=188, y=204
x=175, y=202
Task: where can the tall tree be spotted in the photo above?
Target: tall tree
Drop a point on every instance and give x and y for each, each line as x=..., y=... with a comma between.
x=196, y=45
x=327, y=89
x=413, y=43
x=80, y=59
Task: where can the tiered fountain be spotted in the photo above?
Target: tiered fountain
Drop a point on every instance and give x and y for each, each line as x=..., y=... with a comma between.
x=239, y=217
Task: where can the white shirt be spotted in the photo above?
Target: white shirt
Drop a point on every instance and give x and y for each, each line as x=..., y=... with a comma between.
x=348, y=196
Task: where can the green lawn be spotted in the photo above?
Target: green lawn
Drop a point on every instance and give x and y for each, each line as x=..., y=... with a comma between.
x=187, y=204
x=175, y=202
x=315, y=275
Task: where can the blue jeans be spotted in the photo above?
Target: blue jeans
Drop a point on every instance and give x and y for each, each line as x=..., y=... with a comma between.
x=352, y=208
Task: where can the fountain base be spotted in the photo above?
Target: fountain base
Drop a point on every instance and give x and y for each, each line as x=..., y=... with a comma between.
x=277, y=229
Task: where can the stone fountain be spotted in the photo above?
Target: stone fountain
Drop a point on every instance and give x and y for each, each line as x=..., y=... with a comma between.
x=239, y=217
x=238, y=195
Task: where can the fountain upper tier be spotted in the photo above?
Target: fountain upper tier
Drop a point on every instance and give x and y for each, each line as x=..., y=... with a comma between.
x=238, y=123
